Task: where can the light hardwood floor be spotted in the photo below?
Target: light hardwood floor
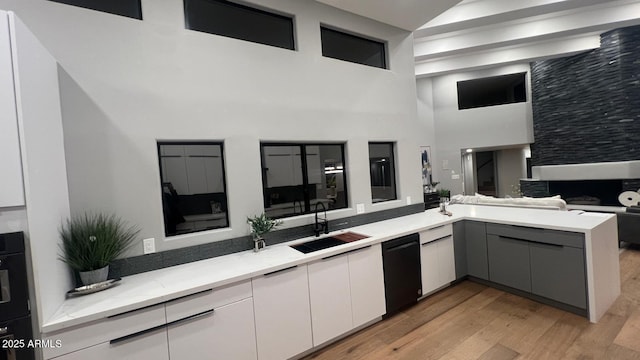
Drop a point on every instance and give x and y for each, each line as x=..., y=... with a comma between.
x=472, y=321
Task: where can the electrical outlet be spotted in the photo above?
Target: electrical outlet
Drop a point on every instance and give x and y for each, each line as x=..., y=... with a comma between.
x=360, y=209
x=408, y=200
x=455, y=177
x=149, y=245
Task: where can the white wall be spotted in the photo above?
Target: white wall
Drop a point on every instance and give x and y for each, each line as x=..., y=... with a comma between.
x=127, y=83
x=487, y=127
x=43, y=166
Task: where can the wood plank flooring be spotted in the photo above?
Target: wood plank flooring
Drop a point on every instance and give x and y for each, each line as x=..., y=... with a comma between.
x=472, y=321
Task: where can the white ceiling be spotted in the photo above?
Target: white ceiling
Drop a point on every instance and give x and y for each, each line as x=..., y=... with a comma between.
x=478, y=34
x=405, y=14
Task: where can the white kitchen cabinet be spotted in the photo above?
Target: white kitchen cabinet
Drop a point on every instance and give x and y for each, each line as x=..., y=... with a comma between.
x=148, y=346
x=330, y=297
x=213, y=324
x=366, y=277
x=346, y=291
x=11, y=191
x=315, y=170
x=437, y=261
x=174, y=170
x=282, y=313
x=226, y=333
x=140, y=334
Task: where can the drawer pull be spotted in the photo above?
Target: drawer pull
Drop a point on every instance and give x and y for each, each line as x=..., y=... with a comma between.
x=435, y=240
x=191, y=317
x=531, y=241
x=189, y=295
x=159, y=327
x=437, y=227
x=346, y=252
x=139, y=333
x=281, y=270
x=4, y=330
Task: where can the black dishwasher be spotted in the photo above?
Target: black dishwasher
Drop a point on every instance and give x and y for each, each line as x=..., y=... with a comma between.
x=402, y=279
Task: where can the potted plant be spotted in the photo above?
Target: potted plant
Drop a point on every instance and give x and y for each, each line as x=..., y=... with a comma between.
x=260, y=225
x=91, y=241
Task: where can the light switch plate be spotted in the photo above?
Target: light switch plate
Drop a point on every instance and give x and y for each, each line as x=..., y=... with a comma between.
x=360, y=209
x=149, y=245
x=408, y=200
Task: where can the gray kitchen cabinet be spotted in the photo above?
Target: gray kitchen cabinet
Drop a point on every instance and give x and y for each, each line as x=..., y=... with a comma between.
x=509, y=262
x=476, y=249
x=547, y=263
x=460, y=248
x=558, y=273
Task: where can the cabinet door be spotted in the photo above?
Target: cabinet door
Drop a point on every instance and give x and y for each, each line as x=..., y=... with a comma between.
x=367, y=284
x=429, y=267
x=330, y=297
x=282, y=312
x=446, y=261
x=227, y=333
x=148, y=346
x=558, y=273
x=460, y=248
x=476, y=239
x=11, y=191
x=509, y=262
x=437, y=263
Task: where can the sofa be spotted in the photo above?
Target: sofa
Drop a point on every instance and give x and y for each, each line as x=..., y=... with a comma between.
x=551, y=203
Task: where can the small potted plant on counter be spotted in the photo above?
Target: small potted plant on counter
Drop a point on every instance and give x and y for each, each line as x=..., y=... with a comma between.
x=90, y=242
x=260, y=225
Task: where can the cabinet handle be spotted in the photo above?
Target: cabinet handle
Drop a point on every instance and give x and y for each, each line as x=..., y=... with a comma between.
x=346, y=252
x=156, y=328
x=531, y=241
x=191, y=317
x=281, y=270
x=4, y=330
x=190, y=295
x=139, y=333
x=437, y=227
x=436, y=240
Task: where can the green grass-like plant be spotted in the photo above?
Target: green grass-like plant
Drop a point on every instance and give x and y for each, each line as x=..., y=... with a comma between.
x=262, y=224
x=92, y=241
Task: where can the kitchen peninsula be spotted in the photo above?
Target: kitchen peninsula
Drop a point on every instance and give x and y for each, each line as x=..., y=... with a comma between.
x=595, y=235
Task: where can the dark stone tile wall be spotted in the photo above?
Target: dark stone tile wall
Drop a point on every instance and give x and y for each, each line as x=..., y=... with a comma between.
x=631, y=185
x=586, y=108
x=139, y=264
x=534, y=188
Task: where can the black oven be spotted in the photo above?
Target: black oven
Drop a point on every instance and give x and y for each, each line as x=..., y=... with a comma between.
x=15, y=320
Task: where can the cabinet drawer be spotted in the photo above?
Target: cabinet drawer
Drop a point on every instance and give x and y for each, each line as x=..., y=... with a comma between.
x=206, y=300
x=554, y=237
x=104, y=330
x=435, y=233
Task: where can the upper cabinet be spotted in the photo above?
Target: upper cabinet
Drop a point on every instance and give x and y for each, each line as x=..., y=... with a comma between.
x=11, y=191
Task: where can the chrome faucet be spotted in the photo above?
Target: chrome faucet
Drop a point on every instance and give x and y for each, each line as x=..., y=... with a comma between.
x=323, y=224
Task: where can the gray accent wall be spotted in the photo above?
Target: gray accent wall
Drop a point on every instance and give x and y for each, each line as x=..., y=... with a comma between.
x=586, y=108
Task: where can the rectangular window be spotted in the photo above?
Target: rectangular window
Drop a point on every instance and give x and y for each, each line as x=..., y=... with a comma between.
x=128, y=8
x=490, y=91
x=194, y=196
x=383, y=172
x=356, y=49
x=225, y=18
x=298, y=178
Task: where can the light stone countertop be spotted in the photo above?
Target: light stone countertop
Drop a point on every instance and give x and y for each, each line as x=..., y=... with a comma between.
x=154, y=287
